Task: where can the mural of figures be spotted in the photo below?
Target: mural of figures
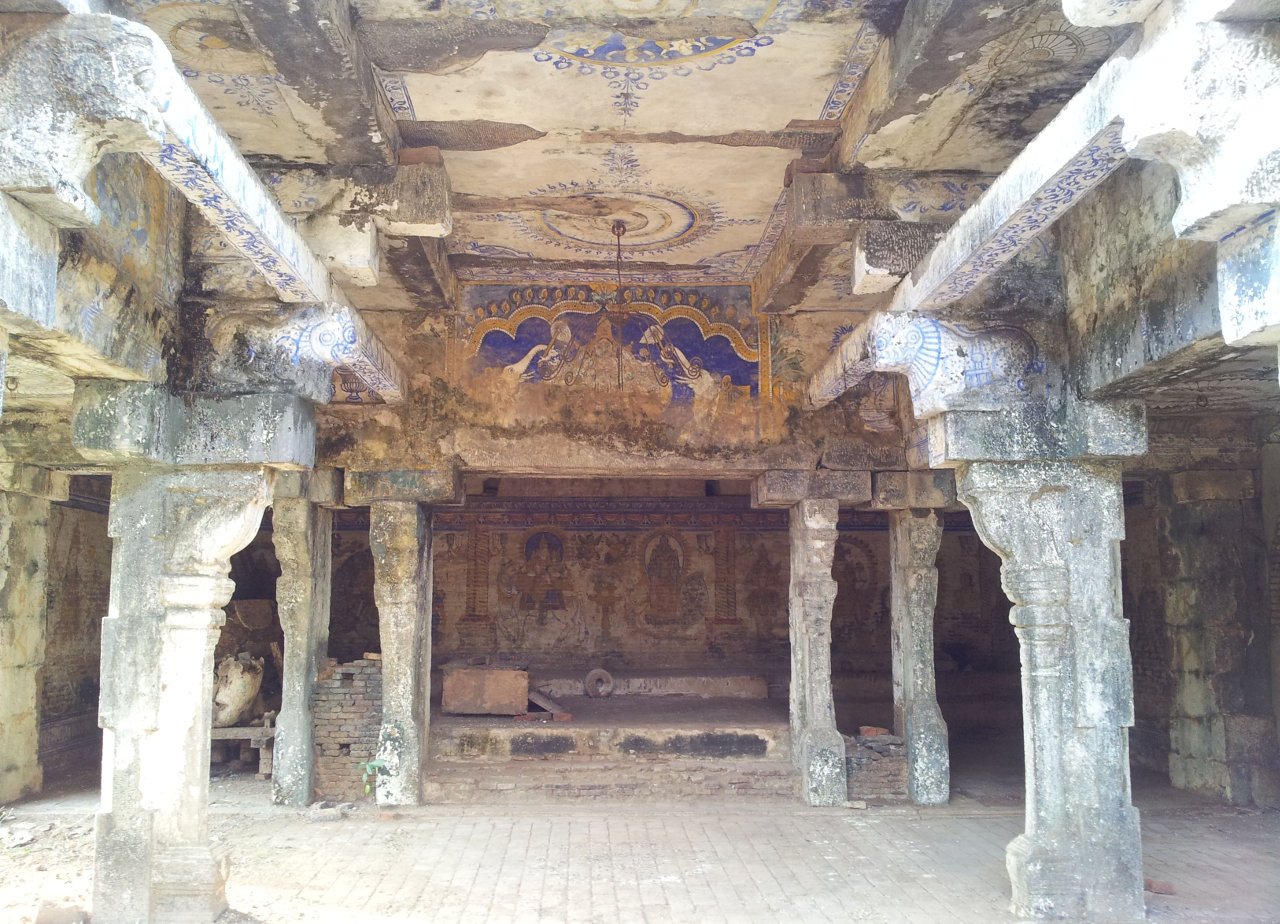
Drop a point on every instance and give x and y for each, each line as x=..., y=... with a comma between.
x=664, y=568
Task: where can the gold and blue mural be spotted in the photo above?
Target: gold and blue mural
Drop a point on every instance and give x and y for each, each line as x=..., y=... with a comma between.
x=684, y=342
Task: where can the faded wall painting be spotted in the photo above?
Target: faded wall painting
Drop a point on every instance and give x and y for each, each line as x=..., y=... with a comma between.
x=670, y=355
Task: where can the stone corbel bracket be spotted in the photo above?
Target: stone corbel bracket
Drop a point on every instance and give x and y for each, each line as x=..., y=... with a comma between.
x=948, y=366
x=85, y=86
x=1188, y=90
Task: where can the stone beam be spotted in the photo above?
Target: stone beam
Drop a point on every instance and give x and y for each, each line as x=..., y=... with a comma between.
x=822, y=208
x=438, y=487
x=786, y=488
x=1057, y=528
x=117, y=422
x=312, y=45
x=55, y=124
x=1173, y=93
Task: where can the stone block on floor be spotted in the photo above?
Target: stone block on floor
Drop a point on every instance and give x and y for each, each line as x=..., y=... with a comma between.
x=485, y=691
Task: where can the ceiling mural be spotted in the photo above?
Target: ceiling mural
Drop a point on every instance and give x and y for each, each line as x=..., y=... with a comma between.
x=233, y=78
x=687, y=222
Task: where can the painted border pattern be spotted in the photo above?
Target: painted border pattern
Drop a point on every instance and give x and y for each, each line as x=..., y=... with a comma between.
x=1049, y=203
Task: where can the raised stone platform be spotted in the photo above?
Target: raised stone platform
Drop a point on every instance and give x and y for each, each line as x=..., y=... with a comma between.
x=622, y=747
x=688, y=727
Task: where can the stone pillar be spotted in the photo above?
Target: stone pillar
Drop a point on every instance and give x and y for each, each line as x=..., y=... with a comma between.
x=400, y=539
x=1056, y=527
x=914, y=537
x=302, y=533
x=817, y=746
x=24, y=547
x=174, y=532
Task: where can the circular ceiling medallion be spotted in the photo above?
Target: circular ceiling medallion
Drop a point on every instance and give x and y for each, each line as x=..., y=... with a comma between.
x=206, y=37
x=654, y=221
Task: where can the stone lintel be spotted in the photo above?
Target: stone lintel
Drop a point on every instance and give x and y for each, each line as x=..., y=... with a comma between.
x=1212, y=485
x=913, y=490
x=437, y=487
x=784, y=488
x=321, y=486
x=120, y=422
x=34, y=481
x=1085, y=430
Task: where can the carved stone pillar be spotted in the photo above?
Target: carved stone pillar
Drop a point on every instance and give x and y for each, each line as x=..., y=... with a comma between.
x=817, y=746
x=25, y=492
x=1056, y=527
x=174, y=532
x=400, y=538
x=302, y=533
x=914, y=537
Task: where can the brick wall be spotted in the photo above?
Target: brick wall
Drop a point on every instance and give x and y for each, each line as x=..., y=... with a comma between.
x=347, y=708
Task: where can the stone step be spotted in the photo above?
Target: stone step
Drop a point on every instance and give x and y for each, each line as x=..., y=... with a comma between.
x=524, y=780
x=499, y=741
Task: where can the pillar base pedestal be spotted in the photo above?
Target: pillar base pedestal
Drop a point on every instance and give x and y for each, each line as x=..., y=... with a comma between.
x=190, y=884
x=822, y=767
x=1047, y=886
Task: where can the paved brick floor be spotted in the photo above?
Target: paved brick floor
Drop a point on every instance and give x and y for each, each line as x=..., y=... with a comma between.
x=606, y=861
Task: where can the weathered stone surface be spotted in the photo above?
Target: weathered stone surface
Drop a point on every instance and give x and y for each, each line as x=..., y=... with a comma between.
x=304, y=41
x=1056, y=527
x=817, y=746
x=904, y=490
x=124, y=422
x=777, y=488
x=1212, y=485
x=174, y=532
x=302, y=536
x=430, y=486
x=24, y=522
x=914, y=538
x=886, y=251
x=485, y=691
x=400, y=539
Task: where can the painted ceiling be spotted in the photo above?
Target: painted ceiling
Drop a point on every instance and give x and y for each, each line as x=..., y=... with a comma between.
x=683, y=119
